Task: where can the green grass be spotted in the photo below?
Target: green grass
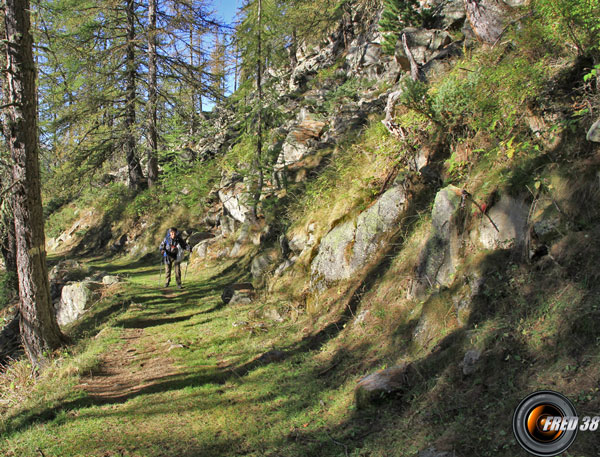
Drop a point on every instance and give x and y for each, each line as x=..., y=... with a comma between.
x=215, y=398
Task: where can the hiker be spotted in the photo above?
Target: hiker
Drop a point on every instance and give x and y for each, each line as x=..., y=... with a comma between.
x=172, y=249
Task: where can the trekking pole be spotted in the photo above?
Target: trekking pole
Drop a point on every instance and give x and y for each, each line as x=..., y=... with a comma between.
x=160, y=272
x=186, y=267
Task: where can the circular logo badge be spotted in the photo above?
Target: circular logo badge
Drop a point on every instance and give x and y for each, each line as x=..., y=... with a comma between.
x=542, y=423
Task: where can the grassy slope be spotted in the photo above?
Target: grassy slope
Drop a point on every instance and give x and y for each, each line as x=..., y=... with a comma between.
x=536, y=324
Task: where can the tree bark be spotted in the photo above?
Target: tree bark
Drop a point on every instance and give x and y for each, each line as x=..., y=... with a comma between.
x=294, y=50
x=152, y=96
x=39, y=330
x=194, y=119
x=134, y=168
x=258, y=157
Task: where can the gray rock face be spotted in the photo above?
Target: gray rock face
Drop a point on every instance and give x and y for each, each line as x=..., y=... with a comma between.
x=228, y=225
x=439, y=257
x=301, y=140
x=510, y=216
x=234, y=195
x=451, y=13
x=351, y=245
x=75, y=299
x=376, y=386
x=593, y=133
x=424, y=44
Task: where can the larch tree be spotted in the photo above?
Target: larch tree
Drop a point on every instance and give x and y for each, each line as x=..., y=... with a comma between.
x=39, y=330
x=152, y=96
x=134, y=168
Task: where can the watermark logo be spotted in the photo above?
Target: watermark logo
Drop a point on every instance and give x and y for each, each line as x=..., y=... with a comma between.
x=545, y=423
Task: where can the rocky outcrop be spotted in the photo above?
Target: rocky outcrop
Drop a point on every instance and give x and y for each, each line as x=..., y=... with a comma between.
x=203, y=248
x=302, y=139
x=233, y=193
x=351, y=245
x=424, y=44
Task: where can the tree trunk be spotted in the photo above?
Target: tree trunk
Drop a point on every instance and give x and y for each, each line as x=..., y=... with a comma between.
x=39, y=329
x=152, y=97
x=194, y=121
x=294, y=50
x=258, y=158
x=133, y=164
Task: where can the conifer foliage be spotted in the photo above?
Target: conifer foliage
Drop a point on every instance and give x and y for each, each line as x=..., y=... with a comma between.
x=397, y=15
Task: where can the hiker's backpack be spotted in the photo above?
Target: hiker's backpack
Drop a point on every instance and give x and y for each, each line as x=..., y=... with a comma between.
x=180, y=253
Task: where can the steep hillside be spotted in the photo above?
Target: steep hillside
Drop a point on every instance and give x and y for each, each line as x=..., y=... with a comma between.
x=421, y=243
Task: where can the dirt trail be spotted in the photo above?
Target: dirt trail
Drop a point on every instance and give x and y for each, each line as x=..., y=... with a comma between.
x=131, y=367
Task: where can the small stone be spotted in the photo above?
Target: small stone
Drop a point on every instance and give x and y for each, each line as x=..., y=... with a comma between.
x=239, y=291
x=470, y=362
x=433, y=452
x=272, y=356
x=374, y=387
x=109, y=280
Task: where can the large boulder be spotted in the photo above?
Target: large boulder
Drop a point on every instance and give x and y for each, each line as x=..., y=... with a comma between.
x=75, y=299
x=62, y=273
x=351, y=245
